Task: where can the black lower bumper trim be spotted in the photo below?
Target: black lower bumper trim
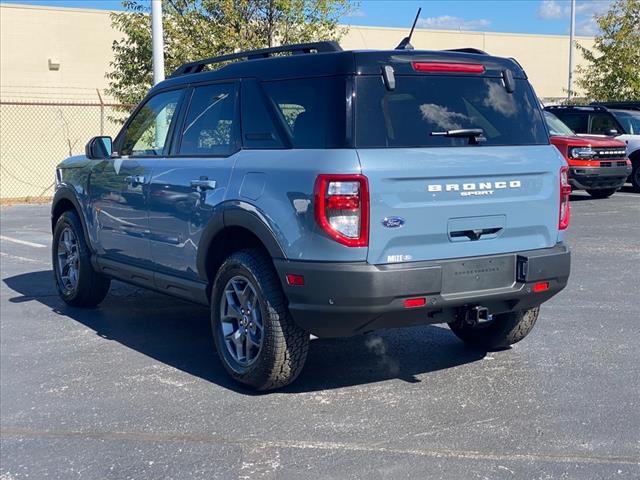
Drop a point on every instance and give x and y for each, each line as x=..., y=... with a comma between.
x=589, y=178
x=341, y=299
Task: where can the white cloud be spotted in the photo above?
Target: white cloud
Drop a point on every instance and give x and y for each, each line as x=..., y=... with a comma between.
x=586, y=11
x=550, y=10
x=447, y=22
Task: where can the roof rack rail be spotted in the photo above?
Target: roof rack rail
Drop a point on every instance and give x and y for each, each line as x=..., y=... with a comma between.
x=598, y=108
x=314, y=47
x=467, y=50
x=628, y=105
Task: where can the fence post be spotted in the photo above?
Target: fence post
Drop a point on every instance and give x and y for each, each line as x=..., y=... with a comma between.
x=101, y=112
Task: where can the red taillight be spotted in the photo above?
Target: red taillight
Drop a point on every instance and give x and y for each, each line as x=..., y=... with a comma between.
x=415, y=302
x=540, y=287
x=448, y=67
x=342, y=208
x=565, y=191
x=295, y=280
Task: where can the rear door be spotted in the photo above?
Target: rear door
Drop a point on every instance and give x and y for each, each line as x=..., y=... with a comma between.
x=440, y=197
x=187, y=185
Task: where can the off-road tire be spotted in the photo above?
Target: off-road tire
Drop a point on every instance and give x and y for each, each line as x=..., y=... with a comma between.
x=284, y=345
x=502, y=331
x=91, y=287
x=602, y=193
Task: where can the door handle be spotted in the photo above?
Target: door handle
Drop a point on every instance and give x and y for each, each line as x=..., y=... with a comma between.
x=134, y=180
x=203, y=184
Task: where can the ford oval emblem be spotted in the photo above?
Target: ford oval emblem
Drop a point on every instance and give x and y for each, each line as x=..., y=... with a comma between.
x=393, y=222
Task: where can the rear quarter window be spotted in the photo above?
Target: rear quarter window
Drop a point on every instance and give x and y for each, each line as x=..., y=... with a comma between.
x=313, y=110
x=420, y=105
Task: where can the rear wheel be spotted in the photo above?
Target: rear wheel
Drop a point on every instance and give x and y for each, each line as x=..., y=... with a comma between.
x=259, y=344
x=77, y=282
x=501, y=331
x=602, y=193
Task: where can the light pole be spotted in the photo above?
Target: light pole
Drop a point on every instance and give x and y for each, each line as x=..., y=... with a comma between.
x=572, y=32
x=157, y=42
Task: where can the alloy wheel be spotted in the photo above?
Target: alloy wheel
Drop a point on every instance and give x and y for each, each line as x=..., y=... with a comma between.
x=68, y=260
x=241, y=320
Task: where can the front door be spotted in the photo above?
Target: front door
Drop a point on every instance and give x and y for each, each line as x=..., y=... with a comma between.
x=119, y=187
x=187, y=185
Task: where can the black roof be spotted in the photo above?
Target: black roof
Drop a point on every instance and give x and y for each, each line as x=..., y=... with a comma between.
x=329, y=59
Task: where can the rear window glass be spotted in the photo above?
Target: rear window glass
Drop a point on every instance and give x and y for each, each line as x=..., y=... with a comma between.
x=209, y=124
x=313, y=110
x=420, y=105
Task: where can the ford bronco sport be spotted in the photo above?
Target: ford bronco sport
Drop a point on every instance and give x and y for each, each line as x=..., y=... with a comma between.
x=596, y=164
x=305, y=190
x=618, y=119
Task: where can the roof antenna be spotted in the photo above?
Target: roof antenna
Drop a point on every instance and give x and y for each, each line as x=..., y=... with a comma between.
x=405, y=44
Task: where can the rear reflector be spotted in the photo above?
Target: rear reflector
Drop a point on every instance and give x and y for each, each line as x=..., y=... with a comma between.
x=565, y=192
x=448, y=67
x=295, y=280
x=540, y=287
x=415, y=302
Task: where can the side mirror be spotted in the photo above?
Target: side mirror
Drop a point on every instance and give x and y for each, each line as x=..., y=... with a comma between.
x=612, y=132
x=99, y=148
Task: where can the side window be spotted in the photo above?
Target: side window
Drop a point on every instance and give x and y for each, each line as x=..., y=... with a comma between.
x=209, y=127
x=578, y=123
x=601, y=123
x=313, y=110
x=148, y=131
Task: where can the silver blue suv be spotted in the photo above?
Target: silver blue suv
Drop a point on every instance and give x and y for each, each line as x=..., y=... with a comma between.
x=305, y=190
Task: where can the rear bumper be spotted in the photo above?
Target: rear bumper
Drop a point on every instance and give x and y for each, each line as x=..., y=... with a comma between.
x=341, y=299
x=598, y=177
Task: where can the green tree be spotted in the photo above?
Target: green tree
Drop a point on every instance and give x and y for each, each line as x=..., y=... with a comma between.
x=613, y=70
x=196, y=29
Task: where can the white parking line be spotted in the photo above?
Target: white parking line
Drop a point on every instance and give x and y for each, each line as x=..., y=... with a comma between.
x=23, y=259
x=22, y=242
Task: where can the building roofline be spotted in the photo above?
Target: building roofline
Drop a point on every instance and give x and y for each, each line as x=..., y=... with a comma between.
x=472, y=32
x=23, y=6
x=364, y=27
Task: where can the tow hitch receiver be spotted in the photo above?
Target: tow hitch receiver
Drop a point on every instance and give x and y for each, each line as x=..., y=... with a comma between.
x=477, y=314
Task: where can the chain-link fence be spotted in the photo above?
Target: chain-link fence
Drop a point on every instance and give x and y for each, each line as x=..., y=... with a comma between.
x=36, y=136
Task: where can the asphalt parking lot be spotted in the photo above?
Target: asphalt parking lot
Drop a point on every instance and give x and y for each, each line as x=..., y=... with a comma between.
x=134, y=389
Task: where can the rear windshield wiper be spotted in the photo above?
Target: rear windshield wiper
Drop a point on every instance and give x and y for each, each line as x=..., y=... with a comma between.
x=475, y=135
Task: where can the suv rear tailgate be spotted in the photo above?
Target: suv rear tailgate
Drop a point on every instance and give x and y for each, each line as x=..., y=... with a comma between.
x=441, y=203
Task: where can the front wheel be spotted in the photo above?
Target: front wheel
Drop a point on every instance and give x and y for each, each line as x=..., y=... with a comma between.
x=257, y=340
x=501, y=331
x=78, y=284
x=602, y=193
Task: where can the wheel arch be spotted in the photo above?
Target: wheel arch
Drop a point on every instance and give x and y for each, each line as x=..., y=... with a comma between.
x=65, y=200
x=236, y=227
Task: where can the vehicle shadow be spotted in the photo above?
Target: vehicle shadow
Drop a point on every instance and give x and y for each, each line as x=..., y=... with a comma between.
x=178, y=334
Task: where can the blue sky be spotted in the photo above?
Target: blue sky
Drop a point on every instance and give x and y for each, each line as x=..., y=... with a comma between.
x=523, y=16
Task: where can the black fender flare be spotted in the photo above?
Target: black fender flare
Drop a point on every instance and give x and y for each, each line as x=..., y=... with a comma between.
x=65, y=192
x=236, y=214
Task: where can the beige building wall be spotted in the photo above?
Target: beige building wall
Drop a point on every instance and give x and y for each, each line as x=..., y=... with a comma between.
x=62, y=54
x=79, y=40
